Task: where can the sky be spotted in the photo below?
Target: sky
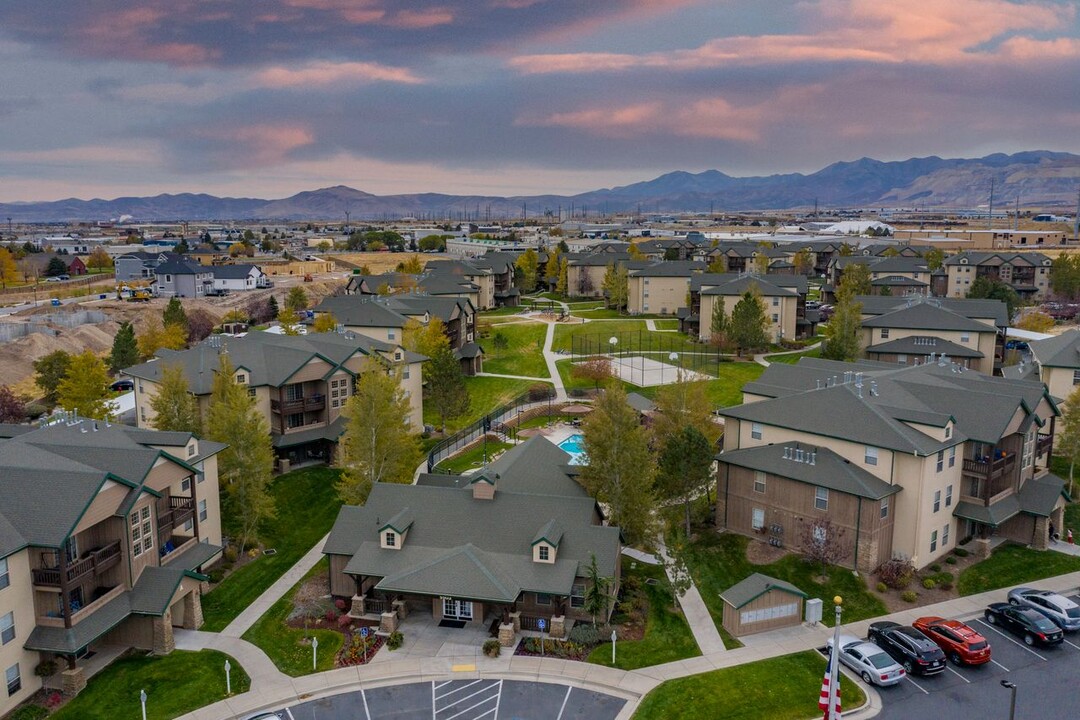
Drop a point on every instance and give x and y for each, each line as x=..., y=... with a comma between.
x=265, y=98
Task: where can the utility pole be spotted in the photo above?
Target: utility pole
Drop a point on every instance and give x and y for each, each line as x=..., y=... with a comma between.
x=990, y=215
x=1016, y=223
x=1076, y=229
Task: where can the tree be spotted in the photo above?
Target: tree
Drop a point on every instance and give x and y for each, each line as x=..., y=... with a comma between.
x=379, y=444
x=671, y=254
x=324, y=322
x=890, y=251
x=1065, y=276
x=1035, y=321
x=563, y=247
x=635, y=252
x=585, y=282
x=9, y=269
x=684, y=403
x=616, y=286
x=99, y=259
x=156, y=337
x=551, y=269
x=446, y=390
x=528, y=263
x=174, y=314
x=125, y=351
x=718, y=265
x=803, y=262
x=823, y=542
x=200, y=325
x=985, y=288
x=427, y=340
x=855, y=279
x=843, y=333
x=289, y=321
x=935, y=258
x=85, y=387
x=56, y=267
x=685, y=468
x=297, y=299
x=596, y=368
x=182, y=247
x=272, y=307
x=719, y=326
x=676, y=572
x=12, y=407
x=621, y=468
x=562, y=286
x=748, y=327
x=49, y=371
x=846, y=250
x=597, y=600
x=412, y=266
x=761, y=263
x=246, y=465
x=1067, y=439
x=174, y=406
x=432, y=243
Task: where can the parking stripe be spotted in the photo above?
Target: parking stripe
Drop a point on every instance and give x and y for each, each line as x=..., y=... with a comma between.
x=472, y=707
x=924, y=691
x=498, y=700
x=289, y=713
x=443, y=684
x=957, y=674
x=1014, y=642
x=457, y=689
x=1073, y=644
x=470, y=695
x=999, y=665
x=363, y=696
x=565, y=698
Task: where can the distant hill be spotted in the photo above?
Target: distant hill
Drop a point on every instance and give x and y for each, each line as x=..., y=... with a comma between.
x=1041, y=178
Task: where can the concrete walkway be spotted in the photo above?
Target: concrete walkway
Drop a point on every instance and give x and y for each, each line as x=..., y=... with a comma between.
x=513, y=377
x=760, y=357
x=697, y=615
x=262, y=671
x=250, y=615
x=1064, y=547
x=553, y=369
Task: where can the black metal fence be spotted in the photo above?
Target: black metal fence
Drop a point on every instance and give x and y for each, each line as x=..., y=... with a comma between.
x=646, y=357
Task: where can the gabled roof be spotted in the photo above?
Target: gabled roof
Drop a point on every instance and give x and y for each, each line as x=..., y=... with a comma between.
x=1059, y=351
x=829, y=469
x=744, y=283
x=235, y=272
x=976, y=309
x=997, y=258
x=551, y=533
x=361, y=311
x=753, y=587
x=926, y=316
x=924, y=345
x=400, y=522
x=670, y=268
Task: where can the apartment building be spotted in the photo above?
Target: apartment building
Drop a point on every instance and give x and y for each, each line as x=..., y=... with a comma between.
x=997, y=239
x=895, y=275
x=1056, y=363
x=104, y=533
x=1027, y=273
x=662, y=287
x=784, y=297
x=300, y=384
x=904, y=460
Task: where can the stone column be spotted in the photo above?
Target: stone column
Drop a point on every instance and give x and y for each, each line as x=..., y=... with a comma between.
x=163, y=634
x=980, y=547
x=193, y=616
x=401, y=608
x=74, y=681
x=515, y=621
x=388, y=623
x=1042, y=530
x=506, y=634
x=558, y=626
x=356, y=610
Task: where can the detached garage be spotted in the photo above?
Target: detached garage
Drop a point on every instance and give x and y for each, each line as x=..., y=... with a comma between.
x=761, y=603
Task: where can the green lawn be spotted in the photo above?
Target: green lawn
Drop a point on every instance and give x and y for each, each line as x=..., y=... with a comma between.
x=175, y=684
x=725, y=391
x=498, y=312
x=667, y=636
x=634, y=336
x=485, y=394
x=285, y=646
x=307, y=505
x=717, y=562
x=1072, y=520
x=523, y=354
x=1011, y=565
x=473, y=458
x=598, y=313
x=783, y=688
x=666, y=324
x=792, y=358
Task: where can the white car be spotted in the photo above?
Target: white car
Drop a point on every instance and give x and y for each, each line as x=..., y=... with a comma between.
x=872, y=664
x=1062, y=611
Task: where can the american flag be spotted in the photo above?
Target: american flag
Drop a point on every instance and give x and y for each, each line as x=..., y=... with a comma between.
x=828, y=698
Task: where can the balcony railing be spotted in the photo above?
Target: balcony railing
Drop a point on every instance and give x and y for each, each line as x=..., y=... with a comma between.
x=94, y=562
x=1042, y=445
x=173, y=512
x=988, y=468
x=311, y=403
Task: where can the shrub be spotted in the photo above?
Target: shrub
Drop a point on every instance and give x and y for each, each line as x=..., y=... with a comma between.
x=29, y=712
x=882, y=587
x=35, y=410
x=340, y=604
x=897, y=573
x=499, y=340
x=540, y=391
x=909, y=596
x=216, y=575
x=929, y=583
x=331, y=616
x=935, y=568
x=45, y=668
x=960, y=552
x=230, y=554
x=950, y=560
x=53, y=699
x=946, y=586
x=396, y=640
x=585, y=634
x=492, y=648
x=343, y=621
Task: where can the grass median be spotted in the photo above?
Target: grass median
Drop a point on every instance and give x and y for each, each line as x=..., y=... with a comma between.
x=1010, y=565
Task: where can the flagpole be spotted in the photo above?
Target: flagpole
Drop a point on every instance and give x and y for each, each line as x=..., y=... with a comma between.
x=834, y=666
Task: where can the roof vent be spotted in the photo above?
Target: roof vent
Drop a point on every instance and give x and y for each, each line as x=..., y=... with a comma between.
x=787, y=453
x=819, y=379
x=798, y=455
x=873, y=388
x=813, y=458
x=943, y=360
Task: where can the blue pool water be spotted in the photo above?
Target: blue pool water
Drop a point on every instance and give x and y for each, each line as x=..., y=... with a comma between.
x=575, y=445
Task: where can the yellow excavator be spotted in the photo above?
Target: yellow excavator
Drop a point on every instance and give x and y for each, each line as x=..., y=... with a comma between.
x=135, y=291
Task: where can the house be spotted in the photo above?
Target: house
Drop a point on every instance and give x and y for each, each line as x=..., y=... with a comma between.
x=104, y=533
x=910, y=330
x=177, y=277
x=1026, y=273
x=238, y=277
x=662, y=287
x=300, y=384
x=759, y=603
x=76, y=267
x=901, y=460
x=139, y=265
x=784, y=297
x=512, y=542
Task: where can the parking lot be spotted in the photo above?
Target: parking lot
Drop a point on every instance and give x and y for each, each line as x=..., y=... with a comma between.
x=463, y=700
x=1046, y=680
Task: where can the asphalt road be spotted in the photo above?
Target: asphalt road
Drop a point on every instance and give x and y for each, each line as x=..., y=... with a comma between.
x=463, y=700
x=1047, y=680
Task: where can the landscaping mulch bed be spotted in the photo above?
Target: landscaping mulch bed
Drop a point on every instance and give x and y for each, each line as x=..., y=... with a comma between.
x=564, y=650
x=762, y=553
x=895, y=603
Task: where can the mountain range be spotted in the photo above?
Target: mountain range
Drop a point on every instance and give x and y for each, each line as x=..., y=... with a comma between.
x=1041, y=179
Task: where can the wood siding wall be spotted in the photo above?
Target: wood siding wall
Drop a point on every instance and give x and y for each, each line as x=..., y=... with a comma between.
x=773, y=598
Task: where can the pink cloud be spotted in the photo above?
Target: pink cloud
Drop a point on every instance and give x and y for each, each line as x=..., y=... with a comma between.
x=329, y=73
x=418, y=19
x=261, y=145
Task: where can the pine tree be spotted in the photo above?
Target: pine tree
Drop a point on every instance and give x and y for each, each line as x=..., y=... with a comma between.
x=597, y=600
x=174, y=314
x=297, y=299
x=85, y=387
x=174, y=406
x=273, y=307
x=685, y=468
x=125, y=351
x=379, y=445
x=246, y=465
x=621, y=468
x=747, y=329
x=446, y=388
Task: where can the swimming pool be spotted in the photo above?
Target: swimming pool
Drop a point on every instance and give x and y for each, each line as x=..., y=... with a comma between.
x=575, y=445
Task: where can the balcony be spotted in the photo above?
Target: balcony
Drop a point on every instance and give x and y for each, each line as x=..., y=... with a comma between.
x=986, y=468
x=173, y=512
x=1043, y=444
x=311, y=403
x=95, y=562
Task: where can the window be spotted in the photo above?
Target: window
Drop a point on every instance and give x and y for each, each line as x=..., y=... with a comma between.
x=202, y=510
x=870, y=456
x=391, y=539
x=944, y=536
x=1029, y=448
x=251, y=392
x=759, y=481
x=884, y=508
x=821, y=498
x=884, y=333
x=940, y=460
x=14, y=681
x=965, y=337
x=933, y=541
x=185, y=485
x=142, y=532
x=7, y=628
x=577, y=595
x=1076, y=377
x=755, y=431
x=241, y=378
x=901, y=359
x=776, y=302
x=757, y=518
x=5, y=577
x=405, y=373
x=544, y=553
x=937, y=500
x=543, y=599
x=775, y=317
x=201, y=478
x=948, y=431
x=294, y=420
x=948, y=496
x=189, y=525
x=390, y=335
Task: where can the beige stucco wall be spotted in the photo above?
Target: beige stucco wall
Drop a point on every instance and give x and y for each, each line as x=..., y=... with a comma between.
x=982, y=342
x=961, y=278
x=1059, y=381
x=18, y=598
x=785, y=310
x=665, y=294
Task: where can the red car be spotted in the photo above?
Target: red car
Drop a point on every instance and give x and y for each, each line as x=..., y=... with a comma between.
x=960, y=643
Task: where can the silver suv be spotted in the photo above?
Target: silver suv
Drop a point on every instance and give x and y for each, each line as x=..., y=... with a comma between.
x=1058, y=608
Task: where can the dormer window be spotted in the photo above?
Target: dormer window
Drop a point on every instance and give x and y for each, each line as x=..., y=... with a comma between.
x=391, y=538
x=544, y=553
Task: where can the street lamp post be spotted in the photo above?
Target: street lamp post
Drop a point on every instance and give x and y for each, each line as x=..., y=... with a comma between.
x=674, y=358
x=142, y=700
x=1011, y=686
x=228, y=678
x=314, y=654
x=613, y=342
x=613, y=636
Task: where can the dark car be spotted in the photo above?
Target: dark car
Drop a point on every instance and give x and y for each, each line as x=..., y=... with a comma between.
x=960, y=643
x=917, y=653
x=1025, y=622
x=124, y=385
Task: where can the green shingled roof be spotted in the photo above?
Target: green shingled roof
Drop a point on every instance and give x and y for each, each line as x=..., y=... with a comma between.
x=755, y=586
